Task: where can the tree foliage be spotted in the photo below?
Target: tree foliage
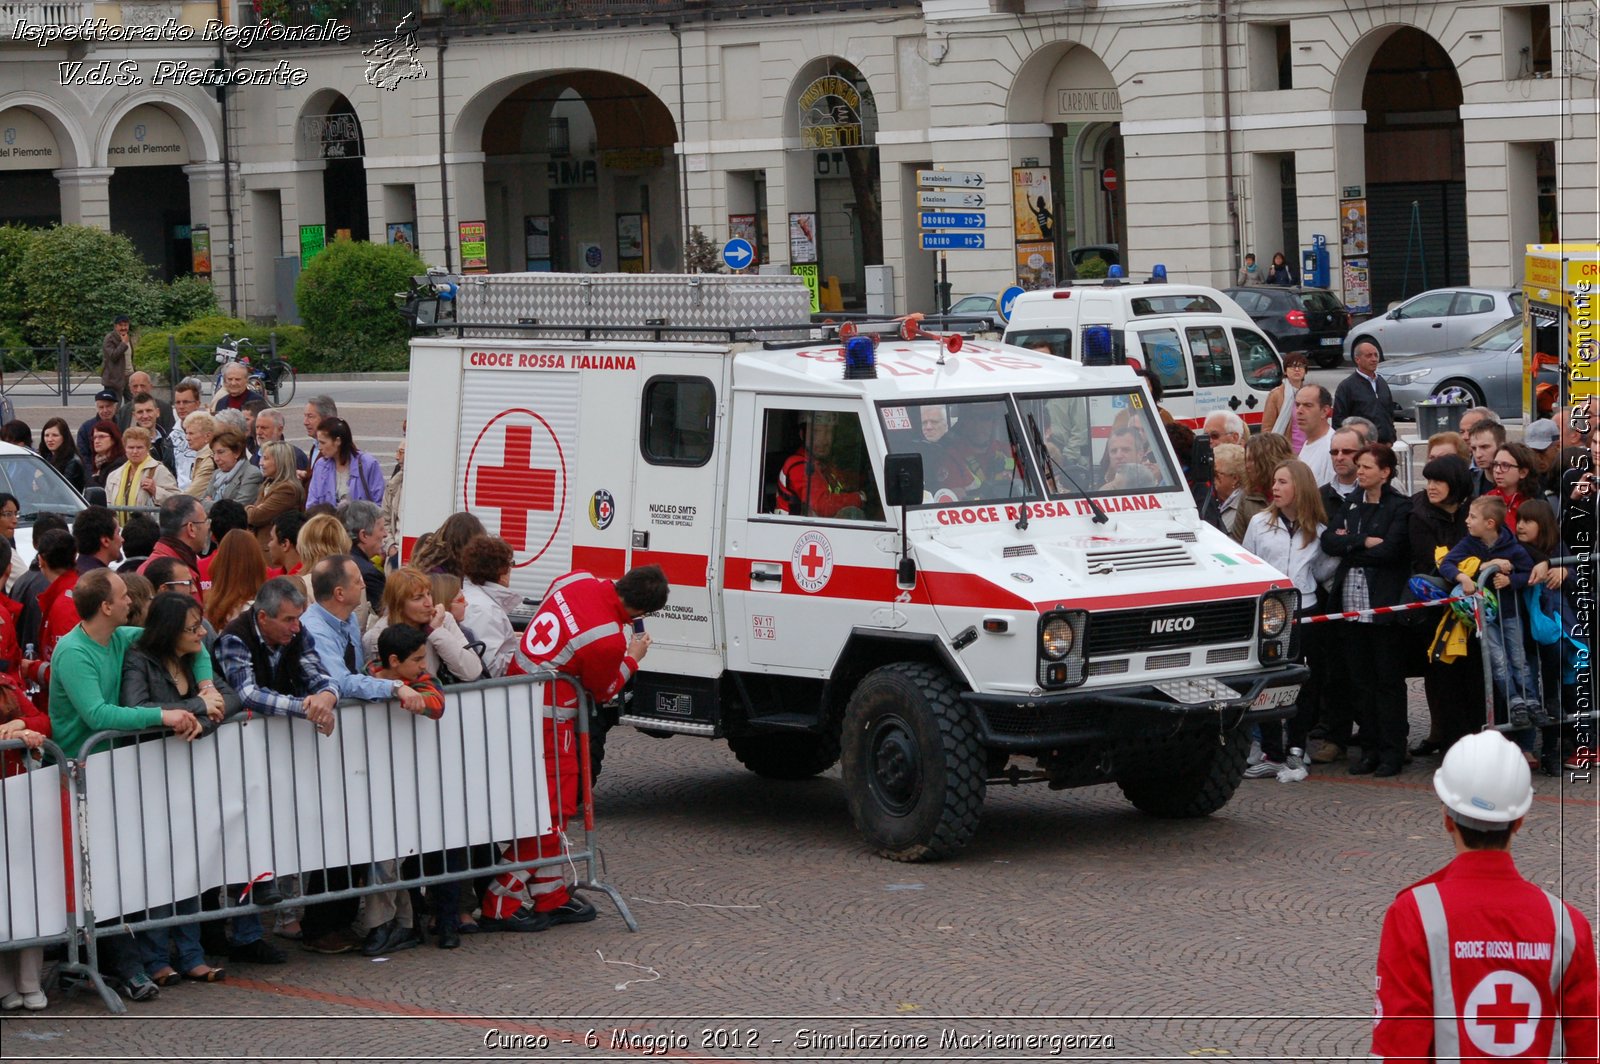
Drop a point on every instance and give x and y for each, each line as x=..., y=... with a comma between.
x=346, y=299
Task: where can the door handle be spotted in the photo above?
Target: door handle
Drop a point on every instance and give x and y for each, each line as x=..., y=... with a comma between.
x=1438, y=325
x=758, y=576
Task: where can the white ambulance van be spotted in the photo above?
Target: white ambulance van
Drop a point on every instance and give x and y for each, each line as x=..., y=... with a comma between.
x=1201, y=344
x=946, y=565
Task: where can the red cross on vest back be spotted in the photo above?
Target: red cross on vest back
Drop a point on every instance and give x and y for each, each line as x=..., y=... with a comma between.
x=1503, y=1014
x=811, y=560
x=514, y=488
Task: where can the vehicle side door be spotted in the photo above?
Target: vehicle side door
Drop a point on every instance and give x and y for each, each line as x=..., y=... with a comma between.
x=1419, y=326
x=1471, y=314
x=1216, y=373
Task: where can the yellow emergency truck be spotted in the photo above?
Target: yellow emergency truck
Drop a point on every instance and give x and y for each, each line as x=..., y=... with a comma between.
x=1560, y=327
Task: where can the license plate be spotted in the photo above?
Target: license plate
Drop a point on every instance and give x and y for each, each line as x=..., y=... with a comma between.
x=1330, y=341
x=1197, y=692
x=1275, y=697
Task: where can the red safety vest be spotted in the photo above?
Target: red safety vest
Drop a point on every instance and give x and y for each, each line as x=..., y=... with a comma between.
x=581, y=630
x=1477, y=963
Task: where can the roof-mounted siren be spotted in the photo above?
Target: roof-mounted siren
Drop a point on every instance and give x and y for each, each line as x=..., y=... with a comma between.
x=1114, y=276
x=860, y=358
x=1097, y=346
x=1158, y=274
x=911, y=329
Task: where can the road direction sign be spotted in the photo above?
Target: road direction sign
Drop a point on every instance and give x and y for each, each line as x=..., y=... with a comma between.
x=1007, y=300
x=971, y=200
x=949, y=179
x=951, y=241
x=953, y=220
x=737, y=253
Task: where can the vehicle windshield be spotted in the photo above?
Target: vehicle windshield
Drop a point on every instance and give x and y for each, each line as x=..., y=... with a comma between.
x=38, y=488
x=971, y=450
x=1324, y=302
x=1503, y=337
x=973, y=305
x=1516, y=302
x=1105, y=443
x=1097, y=444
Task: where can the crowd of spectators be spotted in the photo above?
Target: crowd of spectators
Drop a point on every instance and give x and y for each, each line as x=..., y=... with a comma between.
x=232, y=572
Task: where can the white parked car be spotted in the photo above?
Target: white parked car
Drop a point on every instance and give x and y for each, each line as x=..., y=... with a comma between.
x=1438, y=320
x=39, y=489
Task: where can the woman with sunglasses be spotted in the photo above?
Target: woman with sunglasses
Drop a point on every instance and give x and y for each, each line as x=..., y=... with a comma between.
x=340, y=472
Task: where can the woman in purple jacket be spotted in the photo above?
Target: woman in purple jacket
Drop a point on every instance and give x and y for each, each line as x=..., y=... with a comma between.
x=340, y=472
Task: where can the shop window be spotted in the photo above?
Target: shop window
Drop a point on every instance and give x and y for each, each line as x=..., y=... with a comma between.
x=678, y=422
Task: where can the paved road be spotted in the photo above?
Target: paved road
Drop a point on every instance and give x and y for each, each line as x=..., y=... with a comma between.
x=1250, y=934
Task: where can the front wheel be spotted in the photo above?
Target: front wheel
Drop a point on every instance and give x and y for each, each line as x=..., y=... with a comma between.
x=913, y=768
x=1193, y=777
x=279, y=378
x=1458, y=391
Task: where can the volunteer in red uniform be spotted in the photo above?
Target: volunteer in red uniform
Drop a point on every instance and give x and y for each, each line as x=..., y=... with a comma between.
x=584, y=629
x=1475, y=962
x=810, y=484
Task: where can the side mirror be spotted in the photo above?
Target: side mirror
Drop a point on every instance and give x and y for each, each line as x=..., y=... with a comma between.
x=902, y=479
x=94, y=496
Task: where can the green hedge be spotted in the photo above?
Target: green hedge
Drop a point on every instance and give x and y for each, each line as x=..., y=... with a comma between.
x=204, y=334
x=346, y=298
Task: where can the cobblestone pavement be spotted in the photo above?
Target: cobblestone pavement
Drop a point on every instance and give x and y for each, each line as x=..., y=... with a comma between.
x=767, y=929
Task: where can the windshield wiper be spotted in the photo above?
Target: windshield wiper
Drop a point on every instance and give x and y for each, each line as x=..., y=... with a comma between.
x=1100, y=517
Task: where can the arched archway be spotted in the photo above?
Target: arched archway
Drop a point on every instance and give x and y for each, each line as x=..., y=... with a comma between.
x=1410, y=160
x=834, y=179
x=330, y=131
x=1067, y=88
x=579, y=174
x=149, y=142
x=35, y=141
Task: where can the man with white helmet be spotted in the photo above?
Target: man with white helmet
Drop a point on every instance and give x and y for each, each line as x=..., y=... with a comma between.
x=1475, y=962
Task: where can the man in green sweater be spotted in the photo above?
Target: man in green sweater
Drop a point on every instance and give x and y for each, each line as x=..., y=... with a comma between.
x=86, y=671
x=85, y=687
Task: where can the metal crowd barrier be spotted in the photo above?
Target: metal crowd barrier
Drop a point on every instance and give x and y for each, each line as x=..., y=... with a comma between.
x=36, y=837
x=160, y=822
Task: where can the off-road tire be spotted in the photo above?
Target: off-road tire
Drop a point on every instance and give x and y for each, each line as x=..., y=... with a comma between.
x=792, y=756
x=1198, y=781
x=913, y=767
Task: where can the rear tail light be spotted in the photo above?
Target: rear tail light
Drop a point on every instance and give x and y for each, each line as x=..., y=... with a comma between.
x=1297, y=318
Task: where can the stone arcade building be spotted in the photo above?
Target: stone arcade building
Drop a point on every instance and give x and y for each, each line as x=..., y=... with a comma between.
x=591, y=134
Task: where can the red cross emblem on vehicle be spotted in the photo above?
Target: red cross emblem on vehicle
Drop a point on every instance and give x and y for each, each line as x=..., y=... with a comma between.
x=516, y=481
x=811, y=562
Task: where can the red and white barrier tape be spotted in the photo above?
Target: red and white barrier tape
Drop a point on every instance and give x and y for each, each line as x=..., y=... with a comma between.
x=1378, y=611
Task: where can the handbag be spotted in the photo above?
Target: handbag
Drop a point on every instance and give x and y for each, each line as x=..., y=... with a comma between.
x=1544, y=626
x=1284, y=413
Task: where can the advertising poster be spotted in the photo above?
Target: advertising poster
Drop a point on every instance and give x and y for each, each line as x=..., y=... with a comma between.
x=813, y=279
x=404, y=234
x=200, y=249
x=630, y=244
x=743, y=227
x=1036, y=266
x=313, y=238
x=1357, y=286
x=1353, y=227
x=803, y=239
x=536, y=242
x=474, y=247
x=1030, y=204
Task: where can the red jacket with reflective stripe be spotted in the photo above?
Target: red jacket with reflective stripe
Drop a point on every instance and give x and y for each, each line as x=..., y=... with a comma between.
x=1492, y=935
x=582, y=630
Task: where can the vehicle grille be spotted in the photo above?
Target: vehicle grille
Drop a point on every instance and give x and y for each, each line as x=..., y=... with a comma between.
x=1132, y=559
x=1133, y=631
x=1179, y=660
x=1227, y=654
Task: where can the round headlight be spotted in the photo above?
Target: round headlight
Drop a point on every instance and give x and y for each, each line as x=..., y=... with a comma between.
x=1056, y=639
x=1274, y=617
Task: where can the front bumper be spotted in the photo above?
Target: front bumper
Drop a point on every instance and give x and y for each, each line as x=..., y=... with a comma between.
x=1072, y=718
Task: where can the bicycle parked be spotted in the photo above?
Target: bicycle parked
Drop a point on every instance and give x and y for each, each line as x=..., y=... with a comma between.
x=274, y=379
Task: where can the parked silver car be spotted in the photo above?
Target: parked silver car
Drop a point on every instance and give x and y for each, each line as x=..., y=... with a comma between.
x=1486, y=372
x=1441, y=320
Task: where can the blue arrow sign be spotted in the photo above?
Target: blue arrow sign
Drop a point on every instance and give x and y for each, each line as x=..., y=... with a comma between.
x=953, y=220
x=946, y=241
x=1007, y=300
x=738, y=253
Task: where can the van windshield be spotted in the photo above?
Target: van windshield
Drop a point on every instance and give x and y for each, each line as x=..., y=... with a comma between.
x=1104, y=443
x=971, y=449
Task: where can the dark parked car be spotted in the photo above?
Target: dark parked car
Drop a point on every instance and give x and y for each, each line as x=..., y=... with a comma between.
x=1312, y=320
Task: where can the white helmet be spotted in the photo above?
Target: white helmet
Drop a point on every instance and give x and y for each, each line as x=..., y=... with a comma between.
x=1484, y=781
